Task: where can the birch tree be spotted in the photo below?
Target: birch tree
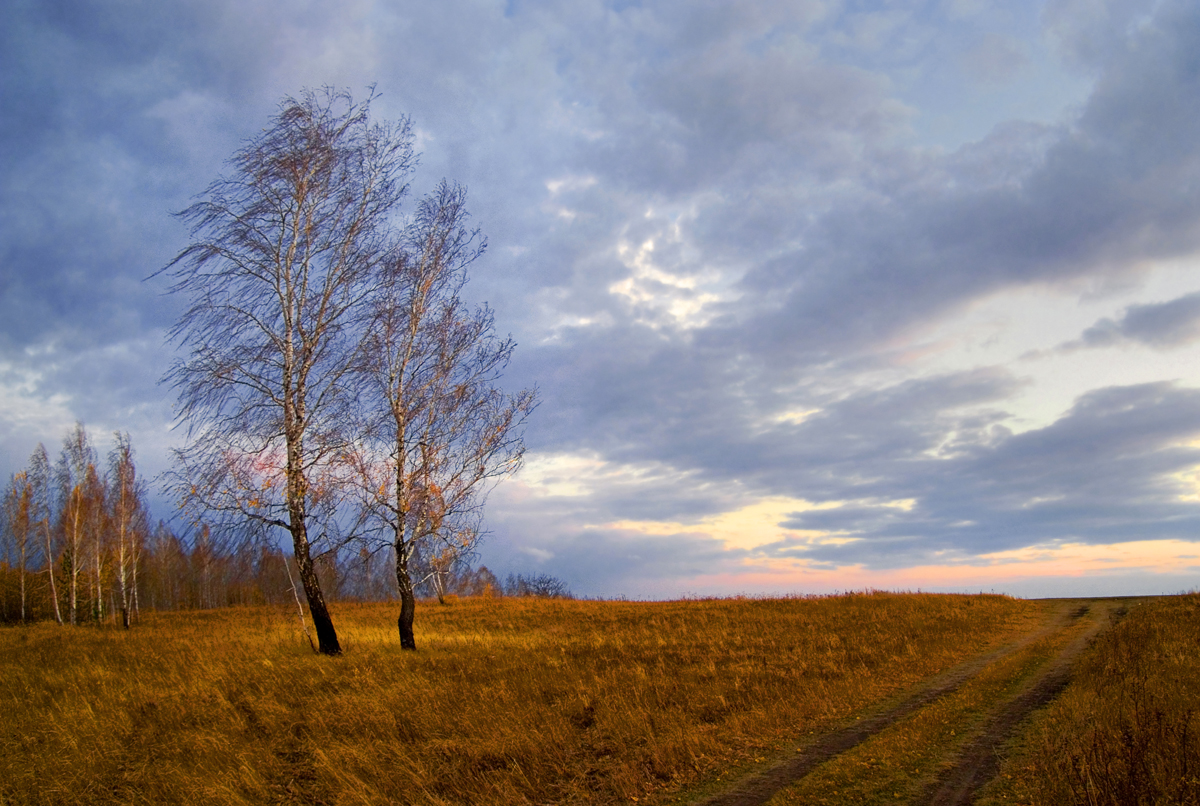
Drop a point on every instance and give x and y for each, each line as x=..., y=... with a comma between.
x=283, y=255
x=438, y=429
x=19, y=524
x=127, y=519
x=41, y=514
x=81, y=495
x=96, y=533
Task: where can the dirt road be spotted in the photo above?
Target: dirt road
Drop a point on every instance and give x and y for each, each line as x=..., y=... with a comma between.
x=976, y=761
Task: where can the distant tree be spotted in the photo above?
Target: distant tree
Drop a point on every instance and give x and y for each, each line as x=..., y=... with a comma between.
x=539, y=585
x=437, y=429
x=19, y=525
x=286, y=255
x=81, y=510
x=439, y=568
x=371, y=574
x=442, y=567
x=166, y=571
x=478, y=582
x=461, y=579
x=127, y=518
x=42, y=516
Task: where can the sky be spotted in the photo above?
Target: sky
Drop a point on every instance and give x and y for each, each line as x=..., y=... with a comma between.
x=818, y=295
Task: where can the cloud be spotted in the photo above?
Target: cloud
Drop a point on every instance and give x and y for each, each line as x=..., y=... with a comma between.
x=531, y=537
x=1114, y=468
x=1160, y=326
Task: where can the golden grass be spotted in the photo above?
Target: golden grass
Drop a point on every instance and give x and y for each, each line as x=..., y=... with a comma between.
x=1126, y=731
x=508, y=700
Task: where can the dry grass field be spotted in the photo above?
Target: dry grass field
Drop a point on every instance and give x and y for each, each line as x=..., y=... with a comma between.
x=508, y=701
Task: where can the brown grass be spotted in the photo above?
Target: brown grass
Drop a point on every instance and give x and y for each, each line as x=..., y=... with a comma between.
x=508, y=701
x=1126, y=731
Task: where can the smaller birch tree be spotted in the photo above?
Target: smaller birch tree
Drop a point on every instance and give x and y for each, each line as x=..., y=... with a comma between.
x=81, y=498
x=438, y=430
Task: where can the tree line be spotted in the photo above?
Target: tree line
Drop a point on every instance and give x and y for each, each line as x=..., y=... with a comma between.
x=83, y=524
x=78, y=544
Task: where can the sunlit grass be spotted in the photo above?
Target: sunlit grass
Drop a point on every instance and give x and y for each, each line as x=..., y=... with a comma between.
x=1126, y=731
x=507, y=701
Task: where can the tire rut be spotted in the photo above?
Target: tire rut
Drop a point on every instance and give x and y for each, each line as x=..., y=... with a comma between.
x=761, y=786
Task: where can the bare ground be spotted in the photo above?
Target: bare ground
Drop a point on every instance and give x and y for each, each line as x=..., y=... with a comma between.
x=977, y=762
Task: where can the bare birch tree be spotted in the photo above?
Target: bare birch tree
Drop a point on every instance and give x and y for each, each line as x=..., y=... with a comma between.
x=81, y=496
x=42, y=507
x=283, y=257
x=127, y=518
x=438, y=428
x=96, y=533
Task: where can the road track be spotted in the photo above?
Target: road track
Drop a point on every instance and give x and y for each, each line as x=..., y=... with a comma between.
x=977, y=761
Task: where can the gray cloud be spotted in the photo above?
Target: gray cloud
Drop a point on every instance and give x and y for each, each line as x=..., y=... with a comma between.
x=1160, y=325
x=1089, y=32
x=1105, y=472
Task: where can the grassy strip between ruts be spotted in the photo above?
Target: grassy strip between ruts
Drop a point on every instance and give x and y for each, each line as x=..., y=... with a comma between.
x=508, y=701
x=1126, y=731
x=898, y=764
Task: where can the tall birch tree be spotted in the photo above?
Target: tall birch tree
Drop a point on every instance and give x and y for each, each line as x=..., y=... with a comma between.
x=283, y=255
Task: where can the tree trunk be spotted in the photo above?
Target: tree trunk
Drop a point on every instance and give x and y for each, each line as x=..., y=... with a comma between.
x=439, y=586
x=121, y=566
x=99, y=584
x=327, y=640
x=299, y=607
x=136, y=609
x=408, y=602
x=50, y=572
x=74, y=591
x=23, y=582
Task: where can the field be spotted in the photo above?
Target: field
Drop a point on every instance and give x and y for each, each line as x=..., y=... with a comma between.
x=512, y=701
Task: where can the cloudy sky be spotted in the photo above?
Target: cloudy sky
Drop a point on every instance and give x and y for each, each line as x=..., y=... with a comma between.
x=819, y=294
